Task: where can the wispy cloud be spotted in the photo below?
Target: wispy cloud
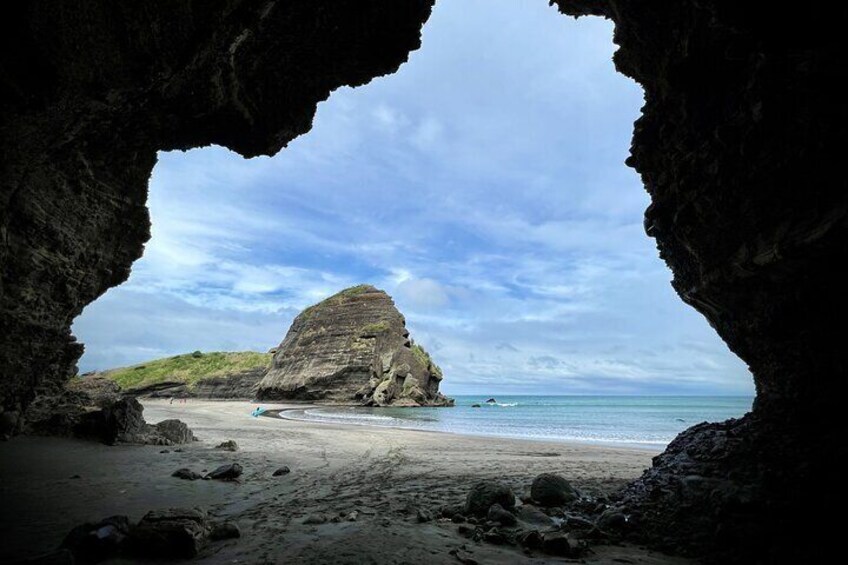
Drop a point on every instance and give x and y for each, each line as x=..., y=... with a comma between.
x=483, y=186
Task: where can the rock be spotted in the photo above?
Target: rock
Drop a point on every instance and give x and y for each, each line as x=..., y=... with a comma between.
x=353, y=347
x=123, y=422
x=93, y=542
x=229, y=472
x=464, y=557
x=457, y=519
x=175, y=431
x=494, y=536
x=578, y=523
x=612, y=520
x=486, y=493
x=476, y=406
x=284, y=470
x=530, y=539
x=552, y=490
x=501, y=516
x=186, y=474
x=171, y=533
x=556, y=543
x=8, y=423
x=531, y=515
x=491, y=401
x=225, y=530
x=352, y=516
x=99, y=391
x=450, y=510
x=423, y=515
x=229, y=445
x=315, y=519
x=165, y=451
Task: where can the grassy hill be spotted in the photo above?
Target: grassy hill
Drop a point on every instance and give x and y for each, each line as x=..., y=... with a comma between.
x=189, y=368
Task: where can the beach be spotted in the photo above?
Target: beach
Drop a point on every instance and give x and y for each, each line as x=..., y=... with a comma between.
x=383, y=475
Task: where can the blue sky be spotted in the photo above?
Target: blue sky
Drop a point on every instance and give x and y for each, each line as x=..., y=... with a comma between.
x=483, y=186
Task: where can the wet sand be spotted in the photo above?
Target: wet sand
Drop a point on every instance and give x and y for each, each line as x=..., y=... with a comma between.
x=384, y=474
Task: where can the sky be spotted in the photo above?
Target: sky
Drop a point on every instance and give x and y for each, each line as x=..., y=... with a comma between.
x=482, y=186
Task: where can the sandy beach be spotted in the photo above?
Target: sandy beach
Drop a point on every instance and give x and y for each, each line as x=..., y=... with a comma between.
x=50, y=485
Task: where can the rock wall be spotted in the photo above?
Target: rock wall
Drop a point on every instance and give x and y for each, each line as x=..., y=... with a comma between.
x=739, y=146
x=92, y=91
x=353, y=348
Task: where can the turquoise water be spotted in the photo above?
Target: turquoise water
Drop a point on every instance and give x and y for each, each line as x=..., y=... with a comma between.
x=645, y=421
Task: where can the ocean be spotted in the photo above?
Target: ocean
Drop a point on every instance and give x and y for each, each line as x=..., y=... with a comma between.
x=636, y=421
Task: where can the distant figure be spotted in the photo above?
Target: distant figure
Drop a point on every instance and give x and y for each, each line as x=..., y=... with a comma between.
x=257, y=411
x=172, y=400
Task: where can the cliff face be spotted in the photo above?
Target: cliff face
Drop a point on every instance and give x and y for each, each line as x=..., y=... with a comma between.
x=353, y=348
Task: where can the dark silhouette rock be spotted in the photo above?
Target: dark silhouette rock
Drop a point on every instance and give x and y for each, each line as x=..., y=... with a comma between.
x=94, y=542
x=175, y=431
x=552, y=490
x=476, y=406
x=229, y=472
x=486, y=493
x=556, y=543
x=491, y=401
x=172, y=533
x=315, y=519
x=353, y=347
x=284, y=470
x=498, y=514
x=225, y=530
x=533, y=516
x=423, y=515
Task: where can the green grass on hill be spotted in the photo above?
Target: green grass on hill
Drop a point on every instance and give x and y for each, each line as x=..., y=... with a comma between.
x=189, y=368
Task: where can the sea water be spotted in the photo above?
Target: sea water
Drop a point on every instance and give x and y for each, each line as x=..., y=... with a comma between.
x=640, y=421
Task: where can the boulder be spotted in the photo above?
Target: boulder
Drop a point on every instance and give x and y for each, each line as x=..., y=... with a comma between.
x=486, y=493
x=225, y=530
x=315, y=519
x=498, y=514
x=175, y=431
x=96, y=541
x=423, y=515
x=171, y=533
x=556, y=543
x=229, y=445
x=284, y=470
x=229, y=472
x=531, y=515
x=552, y=490
x=353, y=347
x=612, y=520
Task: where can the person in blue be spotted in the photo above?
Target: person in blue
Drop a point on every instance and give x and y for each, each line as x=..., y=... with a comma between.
x=257, y=411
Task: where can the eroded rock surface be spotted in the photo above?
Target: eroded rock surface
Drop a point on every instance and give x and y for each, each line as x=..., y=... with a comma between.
x=353, y=348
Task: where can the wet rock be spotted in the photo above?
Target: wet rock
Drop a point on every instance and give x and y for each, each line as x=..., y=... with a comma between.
x=498, y=514
x=532, y=515
x=186, y=474
x=225, y=530
x=229, y=445
x=495, y=537
x=450, y=510
x=423, y=515
x=229, y=472
x=284, y=470
x=95, y=542
x=465, y=530
x=552, y=490
x=556, y=543
x=476, y=406
x=314, y=519
x=612, y=520
x=463, y=556
x=458, y=518
x=171, y=533
x=491, y=401
x=8, y=423
x=578, y=523
x=530, y=539
x=486, y=493
x=352, y=516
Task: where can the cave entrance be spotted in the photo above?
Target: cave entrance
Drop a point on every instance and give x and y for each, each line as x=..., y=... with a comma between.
x=482, y=185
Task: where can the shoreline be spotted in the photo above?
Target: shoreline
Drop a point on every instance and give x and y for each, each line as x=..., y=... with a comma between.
x=279, y=413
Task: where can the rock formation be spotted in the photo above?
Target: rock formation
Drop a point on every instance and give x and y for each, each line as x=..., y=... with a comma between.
x=353, y=348
x=740, y=147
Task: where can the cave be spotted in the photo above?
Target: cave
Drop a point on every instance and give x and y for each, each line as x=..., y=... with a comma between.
x=737, y=146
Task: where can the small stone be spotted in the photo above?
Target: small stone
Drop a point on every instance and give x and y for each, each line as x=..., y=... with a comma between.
x=226, y=472
x=457, y=518
x=476, y=406
x=229, y=445
x=612, y=520
x=501, y=516
x=531, y=539
x=281, y=471
x=423, y=515
x=186, y=474
x=486, y=493
x=226, y=530
x=556, y=543
x=76, y=476
x=165, y=451
x=314, y=519
x=552, y=490
x=352, y=516
x=97, y=541
x=465, y=530
x=532, y=515
x=494, y=536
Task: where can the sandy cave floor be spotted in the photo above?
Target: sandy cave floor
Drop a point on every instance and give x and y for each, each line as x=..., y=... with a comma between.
x=384, y=474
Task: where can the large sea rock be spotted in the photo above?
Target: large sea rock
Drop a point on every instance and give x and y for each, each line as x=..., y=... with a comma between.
x=353, y=348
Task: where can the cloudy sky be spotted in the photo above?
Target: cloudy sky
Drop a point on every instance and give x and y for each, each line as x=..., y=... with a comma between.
x=482, y=186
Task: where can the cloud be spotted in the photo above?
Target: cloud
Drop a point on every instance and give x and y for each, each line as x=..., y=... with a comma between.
x=482, y=185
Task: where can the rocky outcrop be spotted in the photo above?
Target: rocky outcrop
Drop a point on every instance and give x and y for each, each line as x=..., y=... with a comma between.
x=91, y=93
x=353, y=348
x=240, y=385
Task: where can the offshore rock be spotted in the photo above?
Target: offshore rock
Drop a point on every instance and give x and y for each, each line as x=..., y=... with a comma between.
x=353, y=348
